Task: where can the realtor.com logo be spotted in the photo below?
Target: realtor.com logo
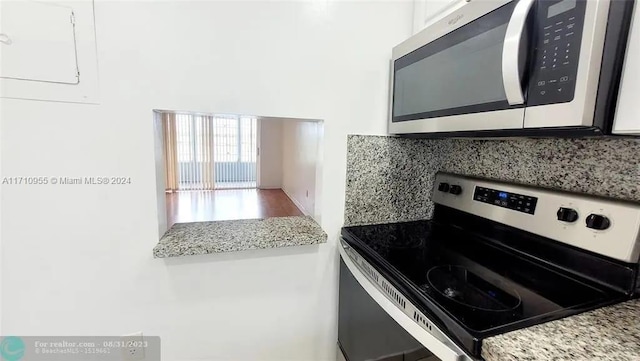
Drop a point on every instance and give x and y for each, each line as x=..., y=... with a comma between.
x=12, y=348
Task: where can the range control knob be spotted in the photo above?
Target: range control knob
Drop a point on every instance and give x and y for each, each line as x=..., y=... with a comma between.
x=455, y=190
x=567, y=215
x=443, y=187
x=598, y=221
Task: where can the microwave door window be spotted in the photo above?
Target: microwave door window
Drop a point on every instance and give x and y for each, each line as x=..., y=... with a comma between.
x=458, y=73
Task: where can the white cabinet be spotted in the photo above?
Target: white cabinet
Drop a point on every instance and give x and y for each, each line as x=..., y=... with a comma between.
x=426, y=10
x=627, y=119
x=38, y=41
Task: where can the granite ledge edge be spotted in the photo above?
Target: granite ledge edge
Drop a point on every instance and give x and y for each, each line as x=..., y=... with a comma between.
x=284, y=241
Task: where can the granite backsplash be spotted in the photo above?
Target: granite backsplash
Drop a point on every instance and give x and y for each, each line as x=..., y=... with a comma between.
x=390, y=179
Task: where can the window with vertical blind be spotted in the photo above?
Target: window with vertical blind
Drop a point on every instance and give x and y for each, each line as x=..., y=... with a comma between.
x=206, y=152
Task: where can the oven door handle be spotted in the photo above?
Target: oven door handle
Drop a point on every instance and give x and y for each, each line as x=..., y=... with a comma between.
x=511, y=52
x=435, y=346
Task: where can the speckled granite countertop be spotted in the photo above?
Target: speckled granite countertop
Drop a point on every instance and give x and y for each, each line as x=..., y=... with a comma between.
x=185, y=239
x=609, y=333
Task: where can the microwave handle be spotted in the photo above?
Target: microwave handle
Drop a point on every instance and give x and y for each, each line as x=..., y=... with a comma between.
x=511, y=53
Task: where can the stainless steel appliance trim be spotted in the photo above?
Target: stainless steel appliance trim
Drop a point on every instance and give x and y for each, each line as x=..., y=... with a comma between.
x=511, y=52
x=580, y=111
x=447, y=9
x=399, y=308
x=390, y=102
x=493, y=120
x=469, y=12
x=498, y=119
x=620, y=241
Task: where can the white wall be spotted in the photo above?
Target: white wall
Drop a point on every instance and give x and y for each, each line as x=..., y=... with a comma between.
x=299, y=160
x=270, y=158
x=161, y=184
x=1, y=191
x=77, y=259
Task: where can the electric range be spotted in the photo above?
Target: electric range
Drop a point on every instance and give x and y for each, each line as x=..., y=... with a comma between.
x=494, y=258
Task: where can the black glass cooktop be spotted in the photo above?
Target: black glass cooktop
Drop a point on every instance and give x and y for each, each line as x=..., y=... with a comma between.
x=474, y=287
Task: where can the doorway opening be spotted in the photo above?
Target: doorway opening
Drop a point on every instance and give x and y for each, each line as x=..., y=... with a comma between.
x=225, y=167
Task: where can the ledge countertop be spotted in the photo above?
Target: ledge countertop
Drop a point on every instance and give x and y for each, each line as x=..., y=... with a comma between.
x=609, y=333
x=186, y=239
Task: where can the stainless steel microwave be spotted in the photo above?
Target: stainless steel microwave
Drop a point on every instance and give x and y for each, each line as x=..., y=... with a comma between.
x=512, y=67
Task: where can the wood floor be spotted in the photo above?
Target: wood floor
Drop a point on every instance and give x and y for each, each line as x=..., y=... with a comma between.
x=227, y=204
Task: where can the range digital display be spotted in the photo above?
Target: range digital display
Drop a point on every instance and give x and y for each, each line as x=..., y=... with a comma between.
x=514, y=201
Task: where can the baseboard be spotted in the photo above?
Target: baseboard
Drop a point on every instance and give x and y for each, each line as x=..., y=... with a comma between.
x=295, y=201
x=274, y=187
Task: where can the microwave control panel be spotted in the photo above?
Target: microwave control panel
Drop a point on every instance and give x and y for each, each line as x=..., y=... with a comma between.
x=558, y=34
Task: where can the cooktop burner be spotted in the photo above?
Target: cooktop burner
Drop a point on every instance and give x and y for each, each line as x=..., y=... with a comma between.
x=463, y=288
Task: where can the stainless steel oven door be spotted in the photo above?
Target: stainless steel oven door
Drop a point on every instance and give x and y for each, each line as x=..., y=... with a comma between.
x=463, y=72
x=376, y=322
